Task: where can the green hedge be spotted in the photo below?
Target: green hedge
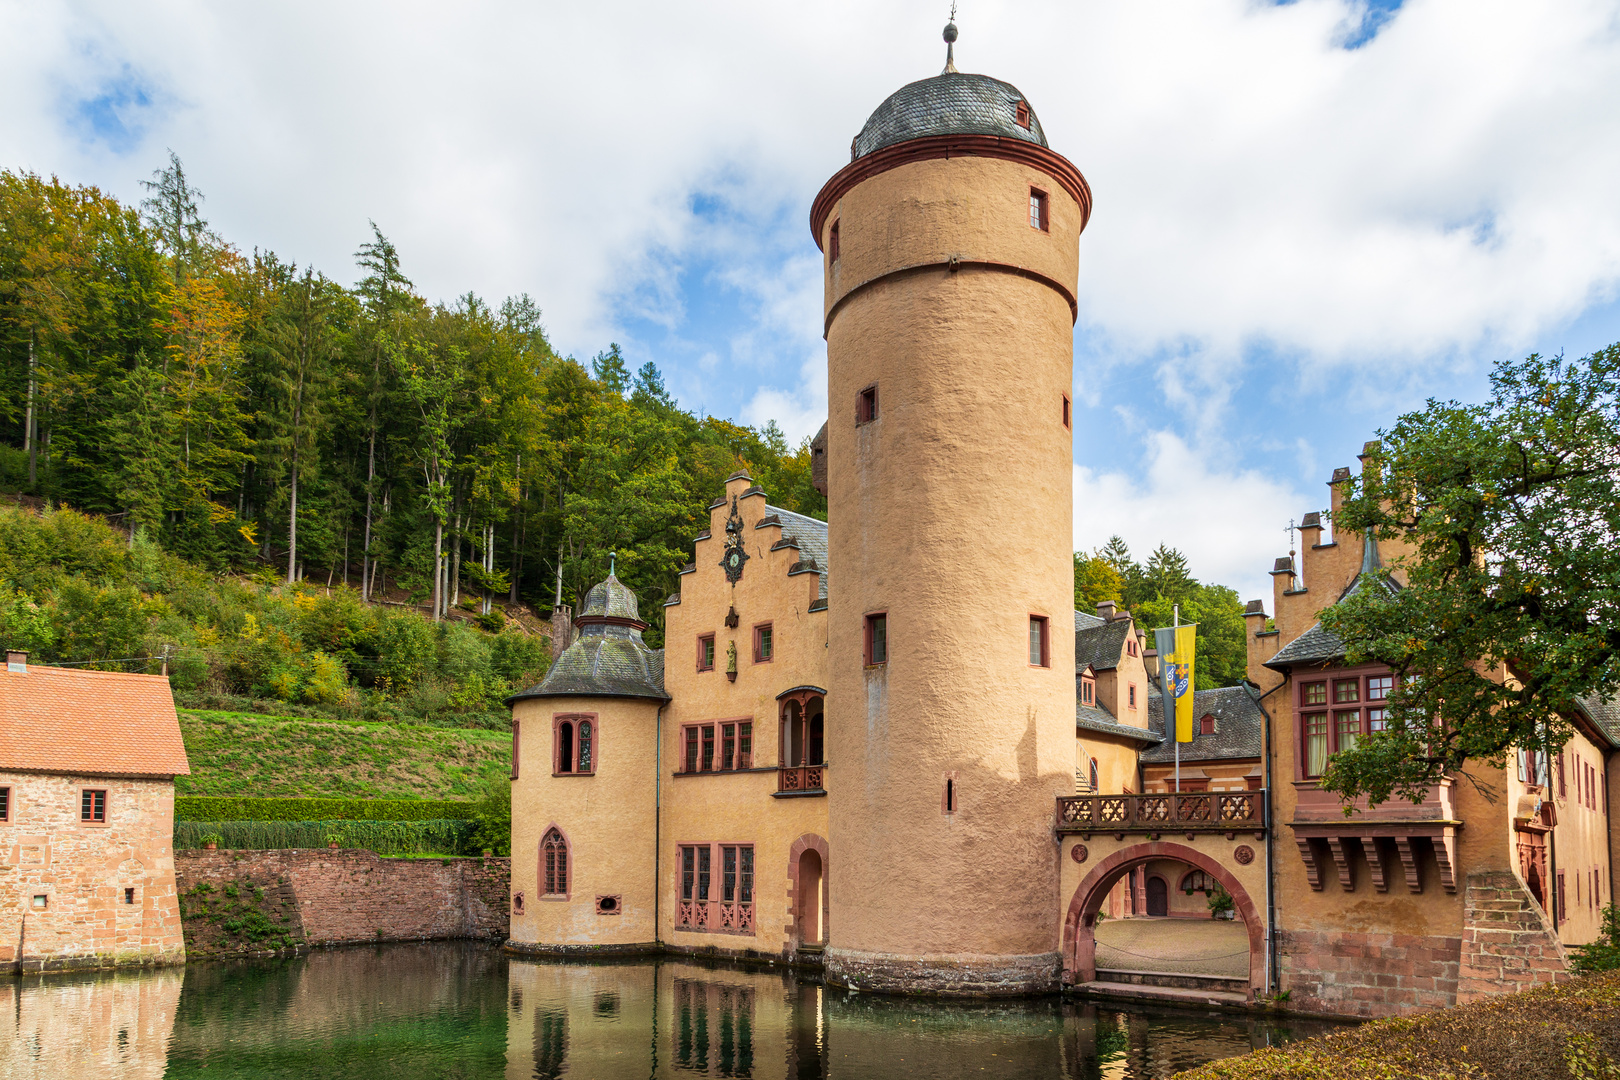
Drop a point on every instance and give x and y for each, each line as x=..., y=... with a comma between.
x=230, y=808
x=440, y=837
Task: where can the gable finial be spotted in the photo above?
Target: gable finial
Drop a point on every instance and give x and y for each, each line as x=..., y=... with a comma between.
x=613, y=563
x=950, y=44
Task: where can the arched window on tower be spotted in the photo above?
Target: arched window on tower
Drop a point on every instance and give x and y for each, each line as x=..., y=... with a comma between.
x=554, y=864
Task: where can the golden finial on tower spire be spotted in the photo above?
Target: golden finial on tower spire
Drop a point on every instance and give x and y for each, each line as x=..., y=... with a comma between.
x=950, y=44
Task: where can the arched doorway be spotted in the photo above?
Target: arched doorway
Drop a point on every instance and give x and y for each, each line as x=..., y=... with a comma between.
x=1158, y=896
x=1080, y=924
x=808, y=901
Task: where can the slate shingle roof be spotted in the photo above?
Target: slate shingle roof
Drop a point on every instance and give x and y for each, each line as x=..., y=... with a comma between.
x=608, y=659
x=1316, y=645
x=1239, y=727
x=100, y=723
x=1605, y=714
x=954, y=103
x=1100, y=720
x=1099, y=644
x=811, y=536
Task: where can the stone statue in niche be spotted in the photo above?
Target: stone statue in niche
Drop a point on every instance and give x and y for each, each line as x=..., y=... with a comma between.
x=731, y=661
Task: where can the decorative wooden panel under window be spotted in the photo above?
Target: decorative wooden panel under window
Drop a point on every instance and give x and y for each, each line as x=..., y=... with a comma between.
x=705, y=652
x=725, y=906
x=723, y=746
x=877, y=639
x=1037, y=210
x=574, y=745
x=764, y=644
x=554, y=864
x=93, y=805
x=866, y=405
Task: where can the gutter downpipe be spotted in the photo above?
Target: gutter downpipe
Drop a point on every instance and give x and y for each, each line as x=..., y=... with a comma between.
x=1271, y=828
x=658, y=821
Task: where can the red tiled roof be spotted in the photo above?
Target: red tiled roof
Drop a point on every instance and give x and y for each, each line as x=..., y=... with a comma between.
x=103, y=722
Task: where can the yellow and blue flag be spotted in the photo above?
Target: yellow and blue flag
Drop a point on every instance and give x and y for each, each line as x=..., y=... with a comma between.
x=1178, y=646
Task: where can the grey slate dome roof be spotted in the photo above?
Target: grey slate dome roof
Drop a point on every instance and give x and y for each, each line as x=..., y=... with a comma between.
x=608, y=659
x=949, y=104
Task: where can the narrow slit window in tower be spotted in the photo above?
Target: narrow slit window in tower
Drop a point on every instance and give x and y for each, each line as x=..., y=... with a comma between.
x=1068, y=420
x=950, y=794
x=877, y=639
x=1037, y=209
x=832, y=243
x=866, y=406
x=1039, y=654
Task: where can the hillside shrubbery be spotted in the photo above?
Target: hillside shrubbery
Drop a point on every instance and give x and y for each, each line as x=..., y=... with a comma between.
x=72, y=588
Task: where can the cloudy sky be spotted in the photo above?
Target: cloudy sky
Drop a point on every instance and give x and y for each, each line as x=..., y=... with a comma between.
x=1309, y=216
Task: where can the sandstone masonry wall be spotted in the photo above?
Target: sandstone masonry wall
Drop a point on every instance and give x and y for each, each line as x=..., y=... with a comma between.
x=353, y=896
x=1507, y=942
x=1368, y=975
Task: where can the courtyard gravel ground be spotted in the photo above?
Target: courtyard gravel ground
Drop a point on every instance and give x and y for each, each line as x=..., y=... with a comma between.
x=1212, y=947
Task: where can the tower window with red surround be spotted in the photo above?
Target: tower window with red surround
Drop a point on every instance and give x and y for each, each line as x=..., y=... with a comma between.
x=866, y=405
x=832, y=243
x=554, y=864
x=574, y=745
x=1039, y=645
x=1037, y=210
x=877, y=639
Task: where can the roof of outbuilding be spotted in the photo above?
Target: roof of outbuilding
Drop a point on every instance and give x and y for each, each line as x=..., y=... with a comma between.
x=1100, y=643
x=952, y=103
x=101, y=723
x=1100, y=720
x=1239, y=727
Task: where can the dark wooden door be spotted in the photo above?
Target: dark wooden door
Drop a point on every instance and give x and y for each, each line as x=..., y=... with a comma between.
x=1158, y=896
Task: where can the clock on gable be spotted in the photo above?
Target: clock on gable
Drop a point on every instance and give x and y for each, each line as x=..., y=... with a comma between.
x=734, y=556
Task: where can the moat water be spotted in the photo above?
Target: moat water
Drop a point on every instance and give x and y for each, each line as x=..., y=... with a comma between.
x=462, y=1010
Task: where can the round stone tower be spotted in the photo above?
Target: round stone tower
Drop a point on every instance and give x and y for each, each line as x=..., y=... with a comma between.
x=950, y=245
x=584, y=771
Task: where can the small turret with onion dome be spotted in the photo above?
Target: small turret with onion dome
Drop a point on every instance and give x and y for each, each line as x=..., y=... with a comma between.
x=609, y=658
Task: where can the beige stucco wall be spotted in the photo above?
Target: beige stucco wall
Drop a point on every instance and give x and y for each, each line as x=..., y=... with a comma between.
x=741, y=807
x=951, y=512
x=83, y=869
x=607, y=818
x=1581, y=838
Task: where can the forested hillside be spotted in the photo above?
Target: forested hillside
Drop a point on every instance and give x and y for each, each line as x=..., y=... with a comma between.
x=252, y=415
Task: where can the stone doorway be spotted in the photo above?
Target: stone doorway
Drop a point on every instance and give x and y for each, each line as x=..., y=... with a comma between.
x=1158, y=897
x=809, y=899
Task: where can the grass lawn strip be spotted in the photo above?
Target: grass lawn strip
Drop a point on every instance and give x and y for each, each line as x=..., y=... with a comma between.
x=1551, y=1033
x=288, y=757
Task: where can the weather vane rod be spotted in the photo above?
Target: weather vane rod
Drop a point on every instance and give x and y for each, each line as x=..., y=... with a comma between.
x=950, y=43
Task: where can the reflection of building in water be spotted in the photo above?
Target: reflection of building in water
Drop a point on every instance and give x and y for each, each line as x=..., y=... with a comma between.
x=88, y=1025
x=714, y=1028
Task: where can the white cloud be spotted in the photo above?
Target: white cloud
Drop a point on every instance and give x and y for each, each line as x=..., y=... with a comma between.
x=1229, y=524
x=799, y=411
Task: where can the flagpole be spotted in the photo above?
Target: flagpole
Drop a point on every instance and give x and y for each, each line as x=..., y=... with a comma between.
x=1175, y=623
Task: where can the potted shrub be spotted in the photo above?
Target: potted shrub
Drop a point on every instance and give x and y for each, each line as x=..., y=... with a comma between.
x=1220, y=905
x=212, y=841
x=333, y=840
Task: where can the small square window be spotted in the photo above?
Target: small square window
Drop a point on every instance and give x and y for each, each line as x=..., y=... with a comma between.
x=41, y=903
x=866, y=406
x=129, y=896
x=877, y=639
x=93, y=805
x=832, y=243
x=705, y=653
x=764, y=646
x=1039, y=653
x=1037, y=210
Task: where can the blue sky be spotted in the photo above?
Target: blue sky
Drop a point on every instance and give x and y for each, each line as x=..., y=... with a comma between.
x=1309, y=216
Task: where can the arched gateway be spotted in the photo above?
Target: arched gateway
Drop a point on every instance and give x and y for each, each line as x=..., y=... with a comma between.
x=1080, y=925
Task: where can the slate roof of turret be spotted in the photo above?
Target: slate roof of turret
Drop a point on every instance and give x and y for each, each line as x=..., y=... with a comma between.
x=1239, y=726
x=952, y=103
x=608, y=659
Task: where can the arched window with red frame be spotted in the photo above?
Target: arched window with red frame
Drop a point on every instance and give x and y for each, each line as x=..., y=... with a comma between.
x=554, y=866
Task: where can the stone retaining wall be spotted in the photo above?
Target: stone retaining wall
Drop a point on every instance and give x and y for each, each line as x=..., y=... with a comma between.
x=1368, y=975
x=345, y=896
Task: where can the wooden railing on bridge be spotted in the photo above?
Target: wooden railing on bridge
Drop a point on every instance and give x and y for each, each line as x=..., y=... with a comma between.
x=1188, y=812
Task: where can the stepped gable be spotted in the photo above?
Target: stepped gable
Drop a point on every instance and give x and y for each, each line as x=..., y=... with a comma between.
x=1317, y=645
x=1239, y=727
x=609, y=658
x=95, y=723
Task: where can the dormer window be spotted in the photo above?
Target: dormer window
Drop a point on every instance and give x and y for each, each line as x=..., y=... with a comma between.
x=1206, y=726
x=1021, y=114
x=1088, y=690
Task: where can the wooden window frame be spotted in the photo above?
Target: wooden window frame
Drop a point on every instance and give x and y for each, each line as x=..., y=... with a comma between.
x=868, y=406
x=574, y=720
x=1131, y=697
x=705, y=657
x=1043, y=625
x=1068, y=412
x=106, y=806
x=1040, y=214
x=568, y=867
x=1333, y=705
x=872, y=620
x=1206, y=724
x=706, y=900
x=5, y=804
x=834, y=248
x=1088, y=690
x=761, y=630
x=517, y=743
x=713, y=736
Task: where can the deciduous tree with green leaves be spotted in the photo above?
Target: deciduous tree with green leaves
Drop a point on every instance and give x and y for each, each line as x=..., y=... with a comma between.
x=1507, y=610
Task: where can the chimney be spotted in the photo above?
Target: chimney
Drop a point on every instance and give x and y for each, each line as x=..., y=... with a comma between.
x=1105, y=611
x=17, y=661
x=1150, y=660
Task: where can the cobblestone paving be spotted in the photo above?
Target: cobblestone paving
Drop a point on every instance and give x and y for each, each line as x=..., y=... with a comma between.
x=1179, y=946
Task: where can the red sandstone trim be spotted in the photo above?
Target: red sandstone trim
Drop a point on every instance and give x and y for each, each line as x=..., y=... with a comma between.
x=540, y=867
x=557, y=721
x=935, y=147
x=1080, y=924
x=953, y=266
x=807, y=842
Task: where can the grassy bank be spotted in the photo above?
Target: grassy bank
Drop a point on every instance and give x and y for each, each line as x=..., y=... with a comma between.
x=1554, y=1033
x=288, y=757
